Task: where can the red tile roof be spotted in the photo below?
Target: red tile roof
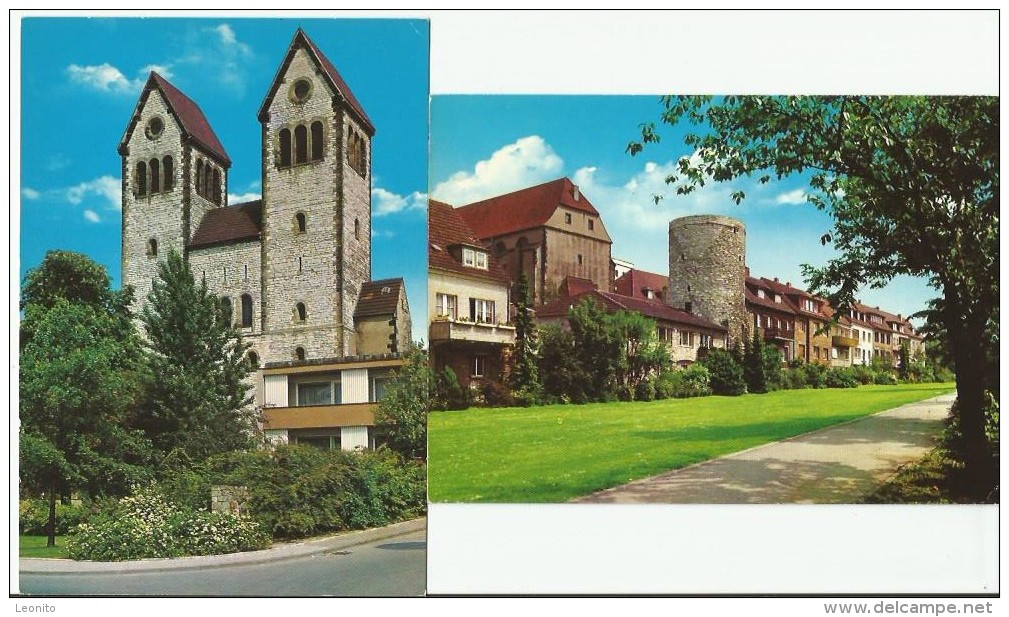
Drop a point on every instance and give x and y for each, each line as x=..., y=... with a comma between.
x=791, y=293
x=523, y=209
x=634, y=282
x=194, y=123
x=753, y=284
x=379, y=298
x=238, y=223
x=329, y=71
x=445, y=229
x=615, y=302
x=574, y=285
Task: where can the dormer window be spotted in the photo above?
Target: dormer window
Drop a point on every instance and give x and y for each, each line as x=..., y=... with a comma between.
x=761, y=294
x=474, y=258
x=777, y=298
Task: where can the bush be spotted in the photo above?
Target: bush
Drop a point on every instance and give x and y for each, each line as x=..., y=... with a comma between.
x=298, y=491
x=667, y=383
x=772, y=359
x=149, y=525
x=726, y=376
x=451, y=392
x=885, y=378
x=33, y=517
x=815, y=374
x=695, y=380
x=841, y=378
x=793, y=379
x=863, y=374
x=645, y=391
x=497, y=394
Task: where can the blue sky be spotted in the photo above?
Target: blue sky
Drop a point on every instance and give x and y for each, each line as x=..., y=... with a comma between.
x=77, y=99
x=488, y=145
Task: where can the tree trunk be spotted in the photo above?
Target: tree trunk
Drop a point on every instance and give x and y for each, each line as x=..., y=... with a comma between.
x=969, y=354
x=51, y=526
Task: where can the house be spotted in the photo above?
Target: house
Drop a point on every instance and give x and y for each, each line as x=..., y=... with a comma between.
x=549, y=232
x=468, y=301
x=683, y=333
x=771, y=315
x=812, y=332
x=643, y=285
x=295, y=265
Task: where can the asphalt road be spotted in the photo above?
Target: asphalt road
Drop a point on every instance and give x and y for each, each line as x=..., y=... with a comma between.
x=389, y=567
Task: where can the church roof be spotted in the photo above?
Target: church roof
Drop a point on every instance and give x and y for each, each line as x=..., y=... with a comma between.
x=238, y=223
x=336, y=81
x=190, y=117
x=445, y=228
x=523, y=209
x=379, y=298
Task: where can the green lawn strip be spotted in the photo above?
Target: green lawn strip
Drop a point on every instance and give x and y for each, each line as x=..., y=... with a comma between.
x=555, y=453
x=35, y=546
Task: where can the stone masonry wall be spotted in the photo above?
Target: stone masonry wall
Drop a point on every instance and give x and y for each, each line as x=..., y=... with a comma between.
x=707, y=268
x=353, y=222
x=230, y=271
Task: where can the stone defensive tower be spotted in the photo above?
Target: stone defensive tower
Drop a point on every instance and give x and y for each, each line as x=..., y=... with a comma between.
x=707, y=269
x=316, y=242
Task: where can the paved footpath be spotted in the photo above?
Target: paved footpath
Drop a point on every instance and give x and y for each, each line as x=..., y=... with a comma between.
x=838, y=464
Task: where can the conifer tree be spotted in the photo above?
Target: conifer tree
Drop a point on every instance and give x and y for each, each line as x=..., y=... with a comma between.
x=525, y=378
x=197, y=394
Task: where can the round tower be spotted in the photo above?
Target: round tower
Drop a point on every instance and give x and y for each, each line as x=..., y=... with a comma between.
x=707, y=269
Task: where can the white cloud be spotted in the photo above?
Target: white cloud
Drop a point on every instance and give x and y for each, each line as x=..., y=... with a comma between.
x=227, y=34
x=244, y=197
x=526, y=162
x=798, y=196
x=386, y=202
x=30, y=193
x=104, y=77
x=106, y=186
x=165, y=70
x=92, y=216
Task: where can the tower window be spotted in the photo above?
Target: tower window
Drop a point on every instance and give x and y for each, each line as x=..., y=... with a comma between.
x=299, y=265
x=225, y=268
x=168, y=167
x=246, y=271
x=155, y=126
x=357, y=229
x=152, y=248
x=141, y=178
x=317, y=142
x=253, y=360
x=285, y=147
x=246, y=311
x=299, y=312
x=216, y=197
x=300, y=91
x=199, y=176
x=300, y=144
x=300, y=223
x=155, y=176
x=299, y=354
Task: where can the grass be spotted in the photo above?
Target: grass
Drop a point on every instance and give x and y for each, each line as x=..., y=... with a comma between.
x=555, y=453
x=35, y=546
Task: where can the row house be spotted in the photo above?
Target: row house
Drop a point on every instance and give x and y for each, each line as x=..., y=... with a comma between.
x=468, y=301
x=771, y=315
x=681, y=332
x=812, y=332
x=883, y=334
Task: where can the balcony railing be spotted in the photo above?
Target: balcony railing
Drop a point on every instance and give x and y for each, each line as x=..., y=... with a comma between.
x=448, y=329
x=778, y=334
x=319, y=416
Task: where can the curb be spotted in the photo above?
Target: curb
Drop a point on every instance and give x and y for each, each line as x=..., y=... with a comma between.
x=282, y=552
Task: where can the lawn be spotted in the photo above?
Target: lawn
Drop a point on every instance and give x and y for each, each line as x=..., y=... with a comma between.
x=555, y=453
x=35, y=546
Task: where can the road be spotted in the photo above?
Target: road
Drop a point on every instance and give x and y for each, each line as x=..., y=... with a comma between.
x=388, y=567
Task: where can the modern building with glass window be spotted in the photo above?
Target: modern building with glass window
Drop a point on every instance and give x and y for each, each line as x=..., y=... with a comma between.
x=294, y=267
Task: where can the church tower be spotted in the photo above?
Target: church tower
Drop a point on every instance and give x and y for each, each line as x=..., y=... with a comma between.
x=316, y=235
x=175, y=170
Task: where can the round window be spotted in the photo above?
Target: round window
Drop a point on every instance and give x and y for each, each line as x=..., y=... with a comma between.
x=155, y=126
x=301, y=90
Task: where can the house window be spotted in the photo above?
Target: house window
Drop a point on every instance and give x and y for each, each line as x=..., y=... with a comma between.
x=317, y=393
x=686, y=338
x=479, y=366
x=379, y=383
x=481, y=311
x=446, y=305
x=567, y=218
x=253, y=360
x=474, y=258
x=761, y=294
x=580, y=260
x=299, y=312
x=246, y=311
x=323, y=442
x=592, y=224
x=777, y=298
x=706, y=340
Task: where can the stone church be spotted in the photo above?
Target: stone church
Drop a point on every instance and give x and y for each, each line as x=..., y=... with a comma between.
x=294, y=267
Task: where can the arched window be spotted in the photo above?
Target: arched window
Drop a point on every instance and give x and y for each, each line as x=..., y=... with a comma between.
x=152, y=247
x=300, y=222
x=300, y=144
x=285, y=147
x=155, y=176
x=299, y=310
x=253, y=360
x=317, y=141
x=168, y=167
x=199, y=176
x=299, y=354
x=208, y=173
x=246, y=311
x=141, y=178
x=216, y=197
x=226, y=308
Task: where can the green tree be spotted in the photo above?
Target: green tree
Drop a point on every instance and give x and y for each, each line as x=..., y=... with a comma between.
x=753, y=364
x=646, y=356
x=772, y=360
x=600, y=347
x=197, y=390
x=78, y=384
x=525, y=378
x=564, y=376
x=912, y=186
x=726, y=375
x=402, y=413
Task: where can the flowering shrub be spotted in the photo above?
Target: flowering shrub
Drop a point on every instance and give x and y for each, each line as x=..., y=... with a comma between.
x=33, y=517
x=148, y=525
